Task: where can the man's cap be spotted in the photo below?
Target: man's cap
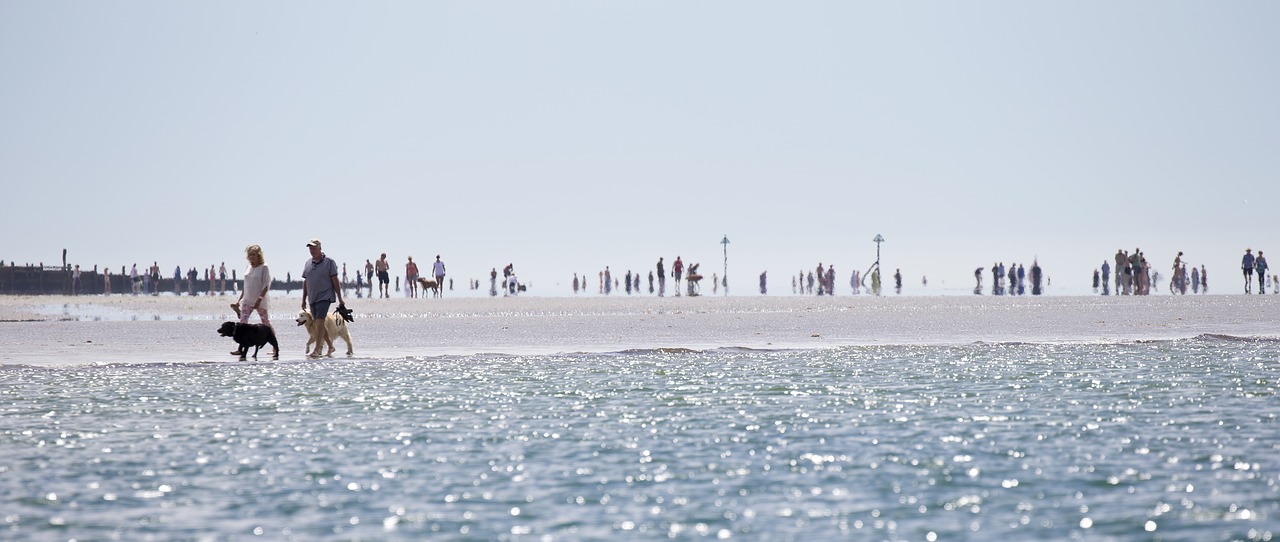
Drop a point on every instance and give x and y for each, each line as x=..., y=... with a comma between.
x=313, y=243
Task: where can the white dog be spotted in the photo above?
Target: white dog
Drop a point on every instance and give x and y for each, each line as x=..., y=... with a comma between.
x=334, y=324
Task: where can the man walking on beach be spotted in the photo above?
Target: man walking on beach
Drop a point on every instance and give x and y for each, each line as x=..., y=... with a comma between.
x=384, y=278
x=319, y=287
x=1246, y=264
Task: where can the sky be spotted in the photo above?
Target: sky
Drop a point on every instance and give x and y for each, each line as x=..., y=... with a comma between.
x=566, y=136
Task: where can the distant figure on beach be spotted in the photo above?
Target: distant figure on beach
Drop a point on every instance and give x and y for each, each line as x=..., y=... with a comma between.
x=368, y=275
x=133, y=278
x=693, y=278
x=831, y=280
x=897, y=280
x=822, y=279
x=222, y=278
x=411, y=278
x=1141, y=272
x=1246, y=264
x=1195, y=280
x=1178, y=282
x=106, y=281
x=677, y=270
x=384, y=278
x=764, y=282
x=608, y=281
x=1022, y=280
x=257, y=286
x=651, y=282
x=75, y=280
x=1036, y=276
x=1204, y=280
x=977, y=276
x=437, y=269
x=512, y=283
x=662, y=279
x=628, y=281
x=1106, y=277
x=155, y=277
x=1096, y=280
x=1122, y=271
x=177, y=279
x=575, y=284
x=319, y=288
x=1260, y=264
x=493, y=282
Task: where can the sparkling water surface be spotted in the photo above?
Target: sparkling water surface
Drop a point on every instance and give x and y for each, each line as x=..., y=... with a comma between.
x=1160, y=440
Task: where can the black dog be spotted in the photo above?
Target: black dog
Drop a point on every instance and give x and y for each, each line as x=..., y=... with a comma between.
x=246, y=335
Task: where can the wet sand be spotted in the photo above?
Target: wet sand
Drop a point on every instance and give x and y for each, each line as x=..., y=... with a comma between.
x=85, y=330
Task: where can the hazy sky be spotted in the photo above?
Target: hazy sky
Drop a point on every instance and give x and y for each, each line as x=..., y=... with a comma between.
x=567, y=136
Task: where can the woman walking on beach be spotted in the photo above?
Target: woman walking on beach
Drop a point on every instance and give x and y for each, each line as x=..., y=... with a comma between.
x=257, y=286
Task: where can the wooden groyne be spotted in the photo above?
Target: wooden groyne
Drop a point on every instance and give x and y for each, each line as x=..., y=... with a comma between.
x=50, y=280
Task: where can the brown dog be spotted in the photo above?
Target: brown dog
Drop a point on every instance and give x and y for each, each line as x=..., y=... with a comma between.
x=429, y=284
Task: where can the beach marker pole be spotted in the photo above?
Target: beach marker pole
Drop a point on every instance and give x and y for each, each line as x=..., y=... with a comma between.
x=879, y=239
x=725, y=278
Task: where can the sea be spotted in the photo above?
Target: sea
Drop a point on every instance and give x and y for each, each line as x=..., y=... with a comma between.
x=1127, y=440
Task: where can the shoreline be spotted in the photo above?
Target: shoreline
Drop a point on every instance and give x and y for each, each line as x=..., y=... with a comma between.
x=67, y=330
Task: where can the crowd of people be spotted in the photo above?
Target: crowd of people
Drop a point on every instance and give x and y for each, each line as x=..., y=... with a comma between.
x=1134, y=275
x=1126, y=273
x=1012, y=280
x=631, y=283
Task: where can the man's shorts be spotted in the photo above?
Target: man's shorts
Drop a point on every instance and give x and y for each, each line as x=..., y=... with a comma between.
x=383, y=277
x=320, y=310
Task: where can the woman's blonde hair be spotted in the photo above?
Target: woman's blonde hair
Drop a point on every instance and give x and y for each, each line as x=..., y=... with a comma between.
x=254, y=252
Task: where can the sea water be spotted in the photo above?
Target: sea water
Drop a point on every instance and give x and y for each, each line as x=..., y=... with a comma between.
x=1131, y=440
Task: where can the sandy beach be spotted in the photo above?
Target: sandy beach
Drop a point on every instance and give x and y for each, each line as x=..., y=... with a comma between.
x=54, y=330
